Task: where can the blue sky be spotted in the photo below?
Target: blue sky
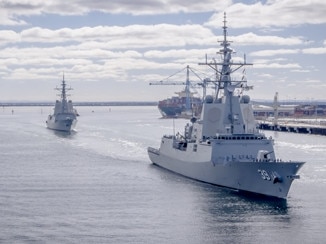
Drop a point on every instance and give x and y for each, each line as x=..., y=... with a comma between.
x=112, y=50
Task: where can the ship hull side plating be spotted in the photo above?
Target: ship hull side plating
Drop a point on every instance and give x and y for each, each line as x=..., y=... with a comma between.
x=255, y=177
x=64, y=124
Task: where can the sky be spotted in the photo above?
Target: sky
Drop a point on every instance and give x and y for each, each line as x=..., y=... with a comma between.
x=112, y=50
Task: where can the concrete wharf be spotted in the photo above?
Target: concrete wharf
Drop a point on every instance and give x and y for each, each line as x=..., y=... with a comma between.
x=302, y=126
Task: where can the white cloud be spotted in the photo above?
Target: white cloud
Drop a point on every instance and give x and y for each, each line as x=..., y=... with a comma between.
x=8, y=36
x=179, y=53
x=265, y=75
x=12, y=10
x=277, y=66
x=301, y=70
x=272, y=13
x=136, y=36
x=276, y=13
x=315, y=50
x=254, y=39
x=312, y=81
x=269, y=53
x=139, y=53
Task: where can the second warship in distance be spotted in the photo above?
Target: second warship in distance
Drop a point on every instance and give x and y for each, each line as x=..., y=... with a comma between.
x=224, y=146
x=64, y=117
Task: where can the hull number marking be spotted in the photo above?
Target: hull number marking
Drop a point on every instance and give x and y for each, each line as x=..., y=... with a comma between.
x=264, y=174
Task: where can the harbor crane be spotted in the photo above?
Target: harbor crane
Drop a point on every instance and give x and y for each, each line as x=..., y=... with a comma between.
x=187, y=84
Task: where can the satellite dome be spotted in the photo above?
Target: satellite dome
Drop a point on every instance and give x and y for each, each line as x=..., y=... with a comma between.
x=245, y=99
x=209, y=99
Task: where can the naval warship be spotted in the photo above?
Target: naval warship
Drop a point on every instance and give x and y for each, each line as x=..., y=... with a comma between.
x=224, y=146
x=64, y=117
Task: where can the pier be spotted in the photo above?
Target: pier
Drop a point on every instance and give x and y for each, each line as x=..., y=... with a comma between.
x=295, y=126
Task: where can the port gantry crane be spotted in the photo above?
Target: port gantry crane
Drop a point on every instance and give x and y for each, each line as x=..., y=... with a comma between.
x=188, y=84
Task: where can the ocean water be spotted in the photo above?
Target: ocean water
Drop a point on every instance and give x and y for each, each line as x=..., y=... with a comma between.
x=97, y=185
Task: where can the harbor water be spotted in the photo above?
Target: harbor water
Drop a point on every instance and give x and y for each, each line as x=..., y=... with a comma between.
x=97, y=185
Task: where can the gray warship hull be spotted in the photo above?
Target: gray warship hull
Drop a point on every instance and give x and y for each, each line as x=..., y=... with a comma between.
x=66, y=124
x=254, y=177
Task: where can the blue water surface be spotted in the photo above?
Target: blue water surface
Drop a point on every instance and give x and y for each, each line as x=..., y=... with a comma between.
x=97, y=185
